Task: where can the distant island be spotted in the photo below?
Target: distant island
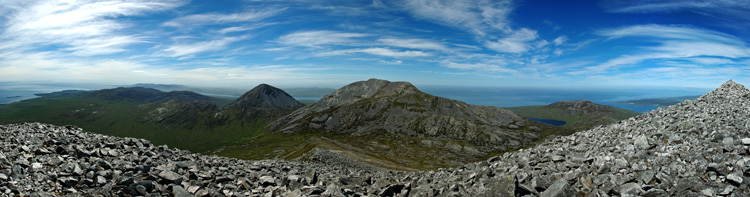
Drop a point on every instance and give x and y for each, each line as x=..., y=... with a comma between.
x=658, y=102
x=12, y=97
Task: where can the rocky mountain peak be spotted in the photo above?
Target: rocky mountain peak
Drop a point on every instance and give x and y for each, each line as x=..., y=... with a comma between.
x=728, y=90
x=366, y=89
x=579, y=106
x=266, y=96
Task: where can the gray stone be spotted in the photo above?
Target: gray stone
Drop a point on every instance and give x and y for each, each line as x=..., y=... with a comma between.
x=559, y=188
x=169, y=175
x=641, y=142
x=179, y=191
x=745, y=141
x=655, y=193
x=36, y=166
x=333, y=190
x=267, y=181
x=734, y=179
x=631, y=189
x=727, y=142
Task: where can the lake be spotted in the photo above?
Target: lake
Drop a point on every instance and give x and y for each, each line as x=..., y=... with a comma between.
x=548, y=121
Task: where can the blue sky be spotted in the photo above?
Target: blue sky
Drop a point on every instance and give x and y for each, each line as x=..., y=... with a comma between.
x=507, y=43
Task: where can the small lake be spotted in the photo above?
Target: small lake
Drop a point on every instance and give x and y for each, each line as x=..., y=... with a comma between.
x=548, y=121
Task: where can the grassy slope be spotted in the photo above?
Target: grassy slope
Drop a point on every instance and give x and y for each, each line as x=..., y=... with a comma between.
x=575, y=122
x=124, y=118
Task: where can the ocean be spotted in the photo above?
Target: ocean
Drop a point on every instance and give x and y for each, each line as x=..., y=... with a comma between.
x=14, y=92
x=513, y=97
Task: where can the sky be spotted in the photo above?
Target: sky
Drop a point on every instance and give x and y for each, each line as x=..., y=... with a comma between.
x=330, y=43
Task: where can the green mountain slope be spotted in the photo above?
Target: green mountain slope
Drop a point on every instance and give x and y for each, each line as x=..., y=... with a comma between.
x=578, y=115
x=180, y=119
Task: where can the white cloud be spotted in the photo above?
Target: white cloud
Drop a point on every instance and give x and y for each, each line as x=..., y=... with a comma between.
x=82, y=27
x=413, y=44
x=476, y=67
x=242, y=28
x=670, y=43
x=377, y=51
x=217, y=18
x=675, y=5
x=316, y=39
x=45, y=67
x=391, y=62
x=711, y=61
x=476, y=16
x=517, y=42
x=393, y=53
x=181, y=50
x=560, y=40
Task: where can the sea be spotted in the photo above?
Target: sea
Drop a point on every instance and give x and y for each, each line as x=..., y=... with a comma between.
x=13, y=92
x=513, y=97
x=492, y=96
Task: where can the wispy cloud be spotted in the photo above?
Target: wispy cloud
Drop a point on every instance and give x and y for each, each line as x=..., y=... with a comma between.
x=377, y=51
x=183, y=50
x=560, y=40
x=644, y=6
x=82, y=27
x=670, y=43
x=219, y=18
x=479, y=17
x=518, y=42
x=728, y=13
x=316, y=39
x=476, y=67
x=413, y=44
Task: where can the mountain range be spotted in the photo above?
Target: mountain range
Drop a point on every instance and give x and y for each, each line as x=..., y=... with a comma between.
x=369, y=123
x=182, y=119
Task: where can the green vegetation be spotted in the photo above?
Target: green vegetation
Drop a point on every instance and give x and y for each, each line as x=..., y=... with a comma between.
x=128, y=118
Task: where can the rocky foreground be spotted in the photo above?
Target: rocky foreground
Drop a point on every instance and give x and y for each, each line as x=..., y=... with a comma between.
x=695, y=148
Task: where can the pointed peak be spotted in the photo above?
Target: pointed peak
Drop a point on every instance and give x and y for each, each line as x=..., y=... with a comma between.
x=265, y=95
x=730, y=84
x=263, y=86
x=729, y=89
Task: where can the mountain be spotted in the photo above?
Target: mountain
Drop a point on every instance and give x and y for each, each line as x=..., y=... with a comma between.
x=658, y=102
x=578, y=115
x=148, y=95
x=181, y=119
x=264, y=101
x=395, y=125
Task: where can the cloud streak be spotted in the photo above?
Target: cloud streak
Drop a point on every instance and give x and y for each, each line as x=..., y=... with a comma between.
x=318, y=39
x=219, y=18
x=670, y=43
x=81, y=27
x=183, y=50
x=377, y=51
